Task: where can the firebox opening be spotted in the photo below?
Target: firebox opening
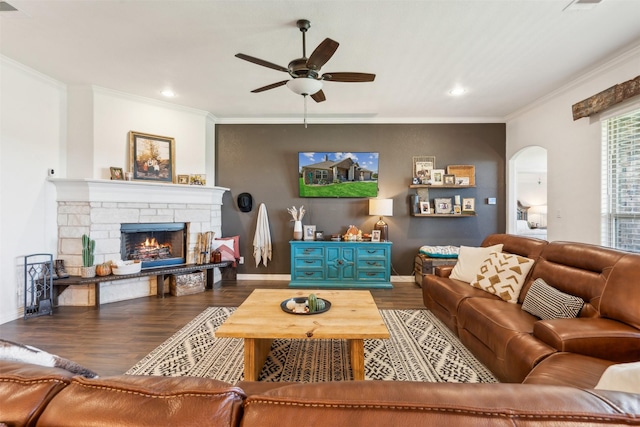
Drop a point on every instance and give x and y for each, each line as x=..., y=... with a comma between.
x=155, y=244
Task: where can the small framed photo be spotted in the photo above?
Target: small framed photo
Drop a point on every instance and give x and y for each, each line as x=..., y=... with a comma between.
x=437, y=177
x=309, y=232
x=422, y=166
x=425, y=208
x=468, y=205
x=449, y=179
x=375, y=235
x=183, y=179
x=198, y=179
x=319, y=235
x=443, y=206
x=462, y=180
x=457, y=209
x=116, y=173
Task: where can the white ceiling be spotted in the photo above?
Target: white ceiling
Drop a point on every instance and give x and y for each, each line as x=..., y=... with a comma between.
x=506, y=53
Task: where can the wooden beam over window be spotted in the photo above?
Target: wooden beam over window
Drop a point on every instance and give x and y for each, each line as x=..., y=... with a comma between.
x=607, y=98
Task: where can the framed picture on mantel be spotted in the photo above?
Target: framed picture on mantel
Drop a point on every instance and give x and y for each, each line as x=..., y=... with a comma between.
x=152, y=157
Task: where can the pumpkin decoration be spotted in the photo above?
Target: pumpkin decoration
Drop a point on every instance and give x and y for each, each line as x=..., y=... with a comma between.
x=103, y=269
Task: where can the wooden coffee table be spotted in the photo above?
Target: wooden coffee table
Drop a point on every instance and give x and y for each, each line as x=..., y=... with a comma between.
x=259, y=320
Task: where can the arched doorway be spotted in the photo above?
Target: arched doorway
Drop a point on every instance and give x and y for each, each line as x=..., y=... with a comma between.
x=529, y=202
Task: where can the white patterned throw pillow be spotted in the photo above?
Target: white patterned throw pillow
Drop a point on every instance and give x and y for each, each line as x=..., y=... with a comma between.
x=546, y=302
x=503, y=274
x=469, y=261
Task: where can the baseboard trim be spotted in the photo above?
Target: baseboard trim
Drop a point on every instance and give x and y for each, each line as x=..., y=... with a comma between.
x=287, y=277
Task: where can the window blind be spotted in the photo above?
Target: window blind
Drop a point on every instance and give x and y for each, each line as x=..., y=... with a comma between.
x=621, y=182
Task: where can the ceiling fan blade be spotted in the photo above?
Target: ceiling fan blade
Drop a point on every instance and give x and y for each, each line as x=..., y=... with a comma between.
x=318, y=96
x=349, y=77
x=262, y=62
x=271, y=86
x=322, y=54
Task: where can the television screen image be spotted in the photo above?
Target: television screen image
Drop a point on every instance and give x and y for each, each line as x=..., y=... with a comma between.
x=338, y=174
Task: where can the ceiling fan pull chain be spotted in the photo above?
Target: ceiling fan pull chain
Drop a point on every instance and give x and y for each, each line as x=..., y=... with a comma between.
x=305, y=111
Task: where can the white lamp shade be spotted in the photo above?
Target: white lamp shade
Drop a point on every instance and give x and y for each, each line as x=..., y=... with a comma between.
x=381, y=207
x=304, y=85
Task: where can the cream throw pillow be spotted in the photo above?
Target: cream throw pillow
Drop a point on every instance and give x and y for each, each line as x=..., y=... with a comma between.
x=469, y=261
x=621, y=377
x=503, y=274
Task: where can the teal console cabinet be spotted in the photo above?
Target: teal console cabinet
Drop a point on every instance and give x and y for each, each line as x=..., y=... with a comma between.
x=329, y=264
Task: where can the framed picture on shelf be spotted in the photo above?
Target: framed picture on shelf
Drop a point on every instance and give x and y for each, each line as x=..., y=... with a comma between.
x=468, y=205
x=375, y=235
x=309, y=232
x=422, y=166
x=457, y=209
x=116, y=173
x=437, y=177
x=198, y=179
x=442, y=206
x=449, y=179
x=152, y=157
x=425, y=208
x=462, y=180
x=183, y=179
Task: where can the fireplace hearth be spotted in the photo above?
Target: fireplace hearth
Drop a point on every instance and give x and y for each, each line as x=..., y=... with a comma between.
x=154, y=244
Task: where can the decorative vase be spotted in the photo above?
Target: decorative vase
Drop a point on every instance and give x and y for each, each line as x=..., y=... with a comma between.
x=297, y=230
x=87, y=272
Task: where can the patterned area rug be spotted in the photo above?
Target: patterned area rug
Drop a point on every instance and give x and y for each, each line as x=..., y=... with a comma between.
x=421, y=348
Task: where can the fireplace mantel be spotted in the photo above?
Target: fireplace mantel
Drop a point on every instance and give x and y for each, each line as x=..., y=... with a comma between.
x=103, y=190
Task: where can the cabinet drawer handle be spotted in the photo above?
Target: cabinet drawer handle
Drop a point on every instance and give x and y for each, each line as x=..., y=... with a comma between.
x=372, y=263
x=339, y=262
x=309, y=273
x=308, y=251
x=372, y=251
x=371, y=274
x=309, y=261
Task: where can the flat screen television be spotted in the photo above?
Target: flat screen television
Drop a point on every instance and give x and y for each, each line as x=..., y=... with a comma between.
x=338, y=174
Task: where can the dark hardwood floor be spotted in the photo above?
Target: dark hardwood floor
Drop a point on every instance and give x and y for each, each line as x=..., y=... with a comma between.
x=114, y=338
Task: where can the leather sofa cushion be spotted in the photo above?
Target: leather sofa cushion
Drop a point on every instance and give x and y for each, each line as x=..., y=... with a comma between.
x=621, y=293
x=383, y=403
x=131, y=400
x=449, y=293
x=494, y=322
x=26, y=389
x=568, y=369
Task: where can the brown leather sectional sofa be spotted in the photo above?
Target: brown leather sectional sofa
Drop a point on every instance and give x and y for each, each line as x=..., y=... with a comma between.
x=559, y=362
x=517, y=346
x=33, y=395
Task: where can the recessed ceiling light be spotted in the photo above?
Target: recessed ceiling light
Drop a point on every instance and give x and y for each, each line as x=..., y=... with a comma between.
x=457, y=91
x=168, y=93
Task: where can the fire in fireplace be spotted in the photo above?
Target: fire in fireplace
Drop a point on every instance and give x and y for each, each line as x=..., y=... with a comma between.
x=155, y=244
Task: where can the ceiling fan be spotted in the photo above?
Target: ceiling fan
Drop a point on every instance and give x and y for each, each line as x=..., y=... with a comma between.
x=307, y=80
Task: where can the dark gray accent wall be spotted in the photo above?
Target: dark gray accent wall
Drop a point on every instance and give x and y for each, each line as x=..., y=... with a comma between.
x=263, y=160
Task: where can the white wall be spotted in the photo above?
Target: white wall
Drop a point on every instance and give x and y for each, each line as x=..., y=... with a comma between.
x=116, y=113
x=80, y=132
x=573, y=148
x=32, y=131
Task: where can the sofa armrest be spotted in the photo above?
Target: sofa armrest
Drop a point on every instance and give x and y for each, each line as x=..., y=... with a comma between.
x=443, y=270
x=596, y=337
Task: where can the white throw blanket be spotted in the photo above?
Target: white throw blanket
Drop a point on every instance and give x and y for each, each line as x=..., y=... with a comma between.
x=262, y=238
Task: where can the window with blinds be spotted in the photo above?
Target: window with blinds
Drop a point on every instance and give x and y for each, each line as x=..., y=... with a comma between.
x=621, y=182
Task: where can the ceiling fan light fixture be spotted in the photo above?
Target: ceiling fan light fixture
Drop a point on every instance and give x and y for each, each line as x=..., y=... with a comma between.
x=304, y=85
x=457, y=91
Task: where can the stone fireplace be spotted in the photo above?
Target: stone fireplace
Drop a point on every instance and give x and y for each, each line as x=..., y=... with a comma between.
x=100, y=208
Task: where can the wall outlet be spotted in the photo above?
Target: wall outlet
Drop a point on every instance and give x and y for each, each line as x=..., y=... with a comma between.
x=241, y=260
x=51, y=172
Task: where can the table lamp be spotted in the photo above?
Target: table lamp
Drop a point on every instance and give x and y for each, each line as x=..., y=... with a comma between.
x=381, y=207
